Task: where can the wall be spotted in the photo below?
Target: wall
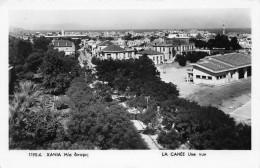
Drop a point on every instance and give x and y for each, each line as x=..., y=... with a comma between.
x=230, y=76
x=67, y=50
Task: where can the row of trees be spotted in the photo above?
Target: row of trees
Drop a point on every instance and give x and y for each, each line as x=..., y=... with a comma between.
x=93, y=121
x=192, y=57
x=182, y=121
x=56, y=69
x=98, y=121
x=134, y=77
x=220, y=41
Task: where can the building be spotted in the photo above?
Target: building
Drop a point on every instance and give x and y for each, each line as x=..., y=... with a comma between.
x=157, y=57
x=116, y=52
x=174, y=46
x=64, y=45
x=181, y=44
x=220, y=69
x=96, y=50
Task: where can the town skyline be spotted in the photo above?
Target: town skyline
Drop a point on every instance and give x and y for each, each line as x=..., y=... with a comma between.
x=93, y=19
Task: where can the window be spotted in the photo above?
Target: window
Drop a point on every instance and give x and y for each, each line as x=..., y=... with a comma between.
x=203, y=77
x=197, y=76
x=108, y=55
x=221, y=76
x=209, y=77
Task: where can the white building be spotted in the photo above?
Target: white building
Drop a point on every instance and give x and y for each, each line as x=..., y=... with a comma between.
x=116, y=52
x=220, y=69
x=64, y=45
x=157, y=57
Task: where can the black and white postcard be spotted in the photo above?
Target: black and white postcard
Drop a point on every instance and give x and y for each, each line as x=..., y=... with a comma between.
x=129, y=84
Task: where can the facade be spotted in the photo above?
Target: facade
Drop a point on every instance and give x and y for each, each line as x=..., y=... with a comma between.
x=116, y=52
x=173, y=46
x=96, y=50
x=64, y=45
x=157, y=57
x=220, y=69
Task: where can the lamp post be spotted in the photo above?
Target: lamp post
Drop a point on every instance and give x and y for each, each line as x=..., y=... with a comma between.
x=147, y=100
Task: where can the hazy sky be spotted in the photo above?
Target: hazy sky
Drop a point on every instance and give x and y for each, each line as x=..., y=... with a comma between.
x=129, y=19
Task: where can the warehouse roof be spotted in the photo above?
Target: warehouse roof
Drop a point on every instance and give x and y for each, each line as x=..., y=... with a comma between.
x=220, y=63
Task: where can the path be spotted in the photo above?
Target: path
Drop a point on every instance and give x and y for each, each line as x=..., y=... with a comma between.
x=149, y=139
x=242, y=113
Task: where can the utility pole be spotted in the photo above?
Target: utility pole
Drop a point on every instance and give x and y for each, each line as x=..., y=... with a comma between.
x=147, y=100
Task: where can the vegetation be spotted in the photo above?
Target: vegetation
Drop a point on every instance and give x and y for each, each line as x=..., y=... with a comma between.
x=193, y=57
x=58, y=71
x=88, y=118
x=31, y=127
x=181, y=59
x=98, y=122
x=182, y=121
x=220, y=41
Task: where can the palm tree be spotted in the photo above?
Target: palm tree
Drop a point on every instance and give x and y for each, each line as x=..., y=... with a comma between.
x=23, y=99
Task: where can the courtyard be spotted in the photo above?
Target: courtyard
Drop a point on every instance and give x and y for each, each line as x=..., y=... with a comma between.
x=233, y=98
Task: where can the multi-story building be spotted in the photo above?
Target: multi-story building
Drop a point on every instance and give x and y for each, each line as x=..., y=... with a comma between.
x=173, y=46
x=116, y=52
x=157, y=57
x=64, y=45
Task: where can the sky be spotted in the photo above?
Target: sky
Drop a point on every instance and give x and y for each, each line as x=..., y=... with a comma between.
x=106, y=19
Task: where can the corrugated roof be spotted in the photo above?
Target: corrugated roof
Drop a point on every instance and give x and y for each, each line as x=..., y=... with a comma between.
x=224, y=62
x=235, y=59
x=62, y=43
x=113, y=48
x=150, y=52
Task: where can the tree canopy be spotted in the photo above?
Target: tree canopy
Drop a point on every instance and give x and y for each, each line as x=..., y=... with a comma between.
x=58, y=71
x=220, y=41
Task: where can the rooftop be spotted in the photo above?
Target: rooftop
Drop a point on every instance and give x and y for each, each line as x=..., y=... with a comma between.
x=105, y=43
x=220, y=63
x=113, y=48
x=62, y=43
x=150, y=52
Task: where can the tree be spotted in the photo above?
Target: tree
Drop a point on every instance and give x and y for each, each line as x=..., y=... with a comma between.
x=58, y=71
x=181, y=60
x=29, y=129
x=234, y=44
x=193, y=57
x=19, y=50
x=41, y=43
x=199, y=36
x=33, y=62
x=203, y=127
x=170, y=140
x=24, y=98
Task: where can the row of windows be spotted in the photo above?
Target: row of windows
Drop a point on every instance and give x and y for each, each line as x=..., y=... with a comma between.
x=157, y=58
x=221, y=76
x=203, y=77
x=129, y=55
x=162, y=49
x=209, y=77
